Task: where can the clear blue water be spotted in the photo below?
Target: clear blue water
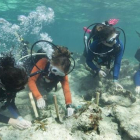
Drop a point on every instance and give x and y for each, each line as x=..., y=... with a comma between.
x=69, y=18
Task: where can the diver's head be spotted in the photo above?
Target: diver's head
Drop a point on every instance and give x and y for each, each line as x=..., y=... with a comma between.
x=60, y=63
x=108, y=35
x=13, y=78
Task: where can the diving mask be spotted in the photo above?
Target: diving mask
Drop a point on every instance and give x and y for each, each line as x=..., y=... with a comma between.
x=112, y=39
x=56, y=71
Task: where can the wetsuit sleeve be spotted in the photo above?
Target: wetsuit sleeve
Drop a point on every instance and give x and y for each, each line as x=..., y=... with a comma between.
x=66, y=90
x=137, y=78
x=91, y=55
x=32, y=80
x=4, y=119
x=13, y=109
x=117, y=62
x=14, y=106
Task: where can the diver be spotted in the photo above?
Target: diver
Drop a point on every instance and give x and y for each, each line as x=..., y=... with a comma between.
x=137, y=74
x=103, y=47
x=54, y=71
x=12, y=80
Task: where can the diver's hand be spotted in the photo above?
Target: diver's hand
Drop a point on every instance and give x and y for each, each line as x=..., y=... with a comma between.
x=41, y=103
x=70, y=110
x=17, y=123
x=27, y=123
x=102, y=73
x=137, y=89
x=117, y=85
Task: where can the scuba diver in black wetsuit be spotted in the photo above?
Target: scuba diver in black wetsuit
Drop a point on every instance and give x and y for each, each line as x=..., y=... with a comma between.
x=12, y=80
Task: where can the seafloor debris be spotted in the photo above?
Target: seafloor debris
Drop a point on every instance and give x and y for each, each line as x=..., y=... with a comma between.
x=41, y=125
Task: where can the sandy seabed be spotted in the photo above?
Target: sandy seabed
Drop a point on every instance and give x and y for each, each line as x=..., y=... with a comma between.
x=116, y=118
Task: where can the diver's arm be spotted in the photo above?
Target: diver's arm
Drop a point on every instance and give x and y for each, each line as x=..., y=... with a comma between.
x=90, y=56
x=14, y=106
x=66, y=90
x=13, y=109
x=4, y=119
x=32, y=80
x=117, y=63
x=137, y=78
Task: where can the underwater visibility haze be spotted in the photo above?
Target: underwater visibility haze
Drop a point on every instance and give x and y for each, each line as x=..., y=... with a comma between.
x=101, y=113
x=71, y=16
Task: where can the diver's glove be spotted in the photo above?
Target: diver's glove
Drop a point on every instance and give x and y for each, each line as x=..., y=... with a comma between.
x=70, y=110
x=27, y=123
x=102, y=73
x=41, y=103
x=17, y=123
x=117, y=85
x=137, y=89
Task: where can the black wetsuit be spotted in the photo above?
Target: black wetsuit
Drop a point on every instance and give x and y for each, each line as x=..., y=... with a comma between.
x=8, y=100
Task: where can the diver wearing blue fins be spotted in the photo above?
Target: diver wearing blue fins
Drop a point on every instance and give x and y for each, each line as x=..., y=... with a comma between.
x=12, y=80
x=137, y=74
x=104, y=47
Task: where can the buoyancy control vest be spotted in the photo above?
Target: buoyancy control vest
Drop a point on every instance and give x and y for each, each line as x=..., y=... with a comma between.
x=105, y=55
x=49, y=80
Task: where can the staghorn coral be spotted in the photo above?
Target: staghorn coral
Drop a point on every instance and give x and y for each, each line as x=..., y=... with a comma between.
x=41, y=125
